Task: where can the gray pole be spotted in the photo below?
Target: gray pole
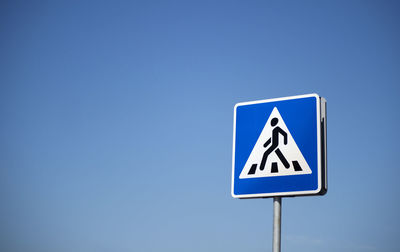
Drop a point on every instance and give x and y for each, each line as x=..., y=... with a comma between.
x=276, y=241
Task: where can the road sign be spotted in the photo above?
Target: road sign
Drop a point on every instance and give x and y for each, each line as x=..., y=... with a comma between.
x=279, y=147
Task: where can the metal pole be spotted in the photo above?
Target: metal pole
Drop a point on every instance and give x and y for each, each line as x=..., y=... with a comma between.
x=276, y=241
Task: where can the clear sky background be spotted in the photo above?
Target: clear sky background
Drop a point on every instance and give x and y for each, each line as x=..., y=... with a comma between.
x=117, y=117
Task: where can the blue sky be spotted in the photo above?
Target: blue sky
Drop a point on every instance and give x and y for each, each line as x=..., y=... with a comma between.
x=117, y=117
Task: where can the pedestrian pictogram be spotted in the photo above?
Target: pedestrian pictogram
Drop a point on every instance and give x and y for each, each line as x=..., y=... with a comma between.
x=275, y=152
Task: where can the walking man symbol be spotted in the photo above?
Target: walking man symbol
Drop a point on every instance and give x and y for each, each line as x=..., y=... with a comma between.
x=274, y=146
x=274, y=141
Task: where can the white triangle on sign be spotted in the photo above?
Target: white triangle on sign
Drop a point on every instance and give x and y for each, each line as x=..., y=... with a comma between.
x=275, y=165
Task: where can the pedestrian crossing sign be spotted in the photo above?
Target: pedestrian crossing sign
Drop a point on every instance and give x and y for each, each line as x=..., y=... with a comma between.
x=279, y=147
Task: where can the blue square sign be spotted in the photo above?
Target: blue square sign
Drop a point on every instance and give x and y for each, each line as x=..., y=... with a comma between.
x=279, y=147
